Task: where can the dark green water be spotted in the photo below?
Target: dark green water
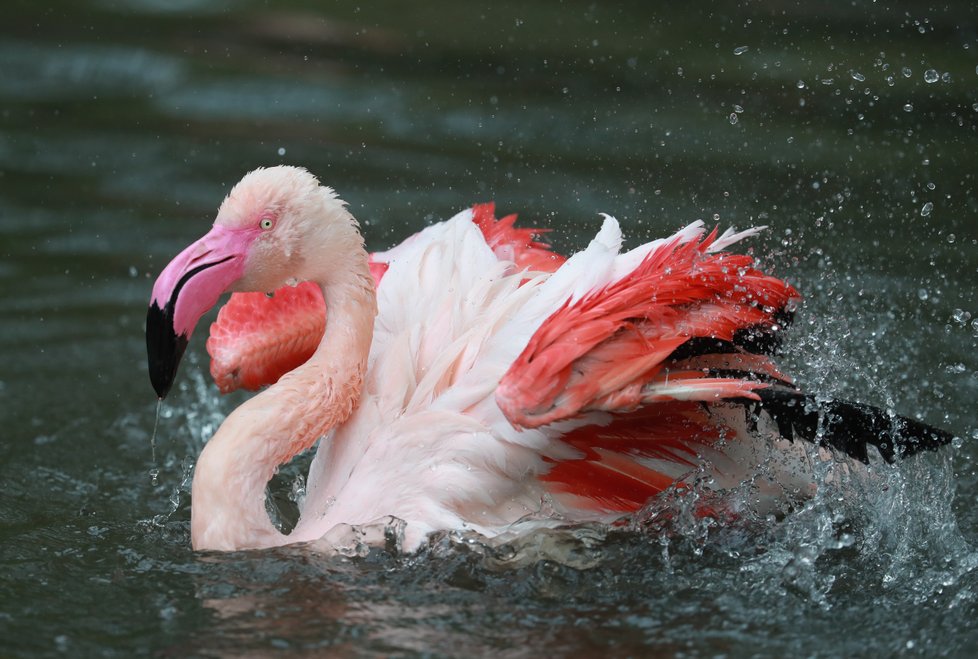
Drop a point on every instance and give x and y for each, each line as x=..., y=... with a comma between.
x=123, y=124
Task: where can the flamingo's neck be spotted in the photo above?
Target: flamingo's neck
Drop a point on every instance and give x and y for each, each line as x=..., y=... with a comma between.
x=228, y=499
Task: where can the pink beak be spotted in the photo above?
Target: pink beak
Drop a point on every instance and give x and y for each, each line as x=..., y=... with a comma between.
x=186, y=289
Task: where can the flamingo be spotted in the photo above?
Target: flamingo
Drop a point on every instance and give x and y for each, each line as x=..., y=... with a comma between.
x=470, y=378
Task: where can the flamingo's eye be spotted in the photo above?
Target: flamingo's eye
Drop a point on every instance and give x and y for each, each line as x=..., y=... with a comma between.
x=266, y=223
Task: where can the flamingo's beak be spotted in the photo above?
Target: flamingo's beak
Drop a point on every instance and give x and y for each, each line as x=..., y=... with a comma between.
x=186, y=289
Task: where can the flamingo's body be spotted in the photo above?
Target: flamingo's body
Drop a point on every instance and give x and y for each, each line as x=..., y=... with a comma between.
x=486, y=380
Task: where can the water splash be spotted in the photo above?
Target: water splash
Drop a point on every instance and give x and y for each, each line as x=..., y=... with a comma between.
x=358, y=541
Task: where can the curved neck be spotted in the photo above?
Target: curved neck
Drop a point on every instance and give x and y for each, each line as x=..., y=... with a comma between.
x=228, y=498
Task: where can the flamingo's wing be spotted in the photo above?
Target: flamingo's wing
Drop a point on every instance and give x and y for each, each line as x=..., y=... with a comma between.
x=663, y=359
x=677, y=320
x=258, y=338
x=623, y=463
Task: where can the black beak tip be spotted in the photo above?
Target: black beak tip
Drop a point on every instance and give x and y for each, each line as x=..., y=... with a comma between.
x=164, y=348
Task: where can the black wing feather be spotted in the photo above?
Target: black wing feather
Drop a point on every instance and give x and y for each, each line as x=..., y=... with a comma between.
x=848, y=427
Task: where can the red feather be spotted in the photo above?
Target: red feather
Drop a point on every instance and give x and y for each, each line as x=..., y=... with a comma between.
x=610, y=476
x=610, y=346
x=511, y=244
x=256, y=339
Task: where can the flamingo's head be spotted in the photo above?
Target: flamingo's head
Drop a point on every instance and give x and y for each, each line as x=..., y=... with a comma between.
x=265, y=230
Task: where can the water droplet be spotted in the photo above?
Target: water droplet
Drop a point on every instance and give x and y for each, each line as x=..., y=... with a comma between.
x=922, y=294
x=906, y=72
x=951, y=238
x=800, y=84
x=931, y=186
x=931, y=76
x=738, y=109
x=740, y=50
x=281, y=151
x=733, y=117
x=890, y=80
x=960, y=316
x=908, y=107
x=857, y=76
x=945, y=77
x=926, y=209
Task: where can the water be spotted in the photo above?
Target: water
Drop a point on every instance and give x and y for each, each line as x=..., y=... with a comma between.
x=122, y=124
